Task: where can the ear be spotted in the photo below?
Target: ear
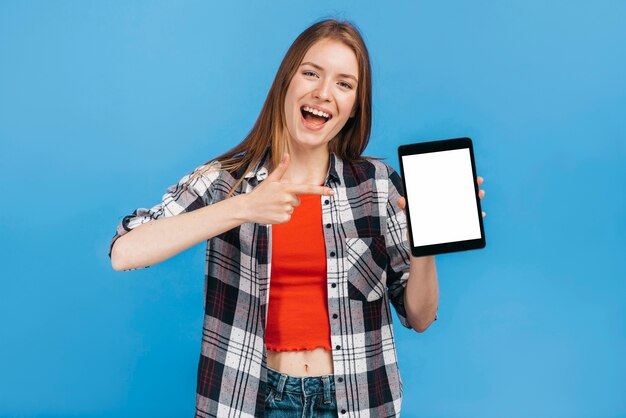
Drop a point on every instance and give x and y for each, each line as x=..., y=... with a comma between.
x=353, y=112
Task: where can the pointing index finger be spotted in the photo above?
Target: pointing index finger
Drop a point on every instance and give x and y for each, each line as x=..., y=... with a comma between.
x=310, y=189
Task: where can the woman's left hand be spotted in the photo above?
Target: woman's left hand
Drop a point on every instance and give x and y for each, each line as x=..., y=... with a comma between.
x=481, y=194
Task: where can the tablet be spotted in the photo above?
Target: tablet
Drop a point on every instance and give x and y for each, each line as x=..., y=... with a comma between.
x=443, y=208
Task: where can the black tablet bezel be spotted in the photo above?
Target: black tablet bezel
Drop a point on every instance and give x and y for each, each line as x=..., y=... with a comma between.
x=434, y=146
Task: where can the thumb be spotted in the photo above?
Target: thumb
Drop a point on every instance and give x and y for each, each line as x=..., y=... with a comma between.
x=279, y=171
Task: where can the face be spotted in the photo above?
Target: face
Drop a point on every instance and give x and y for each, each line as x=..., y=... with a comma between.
x=322, y=94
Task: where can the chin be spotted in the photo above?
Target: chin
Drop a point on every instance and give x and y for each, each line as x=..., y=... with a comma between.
x=310, y=144
x=304, y=141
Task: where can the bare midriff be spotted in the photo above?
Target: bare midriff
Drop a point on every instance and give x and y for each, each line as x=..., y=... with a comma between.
x=317, y=362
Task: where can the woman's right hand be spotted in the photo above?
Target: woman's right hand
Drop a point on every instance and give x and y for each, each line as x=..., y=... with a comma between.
x=273, y=201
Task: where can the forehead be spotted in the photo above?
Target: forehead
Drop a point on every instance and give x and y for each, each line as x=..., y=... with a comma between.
x=333, y=56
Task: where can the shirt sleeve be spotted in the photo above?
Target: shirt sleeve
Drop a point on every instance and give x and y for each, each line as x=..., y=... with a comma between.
x=397, y=248
x=179, y=198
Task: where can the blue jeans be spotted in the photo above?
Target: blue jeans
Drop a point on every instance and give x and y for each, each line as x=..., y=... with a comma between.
x=289, y=397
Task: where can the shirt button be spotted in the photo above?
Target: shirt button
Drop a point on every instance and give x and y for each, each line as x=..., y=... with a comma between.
x=326, y=201
x=334, y=285
x=335, y=316
x=340, y=379
x=328, y=225
x=337, y=347
x=343, y=411
x=332, y=253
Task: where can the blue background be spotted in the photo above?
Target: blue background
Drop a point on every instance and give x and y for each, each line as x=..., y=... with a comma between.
x=105, y=104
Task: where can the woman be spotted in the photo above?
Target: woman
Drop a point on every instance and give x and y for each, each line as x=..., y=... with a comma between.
x=296, y=202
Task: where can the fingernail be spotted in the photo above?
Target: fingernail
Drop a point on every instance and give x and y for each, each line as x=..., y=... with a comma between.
x=331, y=192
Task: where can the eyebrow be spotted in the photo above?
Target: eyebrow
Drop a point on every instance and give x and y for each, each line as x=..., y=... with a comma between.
x=317, y=67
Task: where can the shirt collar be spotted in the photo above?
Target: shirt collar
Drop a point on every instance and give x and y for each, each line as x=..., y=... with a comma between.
x=335, y=167
x=260, y=170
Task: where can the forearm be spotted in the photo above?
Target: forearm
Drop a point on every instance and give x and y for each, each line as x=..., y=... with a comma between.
x=158, y=240
x=421, y=296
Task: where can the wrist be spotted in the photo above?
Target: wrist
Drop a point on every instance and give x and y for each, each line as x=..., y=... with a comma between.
x=240, y=209
x=423, y=258
x=422, y=266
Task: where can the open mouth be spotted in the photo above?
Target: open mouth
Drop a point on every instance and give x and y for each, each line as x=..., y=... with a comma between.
x=314, y=116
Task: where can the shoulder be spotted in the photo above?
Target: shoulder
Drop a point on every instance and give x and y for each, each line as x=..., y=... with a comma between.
x=370, y=168
x=382, y=169
x=384, y=174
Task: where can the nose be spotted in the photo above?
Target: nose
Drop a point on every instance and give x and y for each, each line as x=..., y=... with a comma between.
x=322, y=91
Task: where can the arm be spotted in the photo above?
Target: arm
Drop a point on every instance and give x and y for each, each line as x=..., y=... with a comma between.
x=421, y=296
x=158, y=240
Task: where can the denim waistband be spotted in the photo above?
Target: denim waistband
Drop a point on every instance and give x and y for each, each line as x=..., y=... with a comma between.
x=310, y=385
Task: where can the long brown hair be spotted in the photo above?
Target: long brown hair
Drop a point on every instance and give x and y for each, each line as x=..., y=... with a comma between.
x=270, y=129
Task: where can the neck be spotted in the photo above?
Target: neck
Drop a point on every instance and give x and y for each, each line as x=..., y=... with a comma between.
x=307, y=166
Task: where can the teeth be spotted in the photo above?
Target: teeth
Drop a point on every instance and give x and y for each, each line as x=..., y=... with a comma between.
x=316, y=112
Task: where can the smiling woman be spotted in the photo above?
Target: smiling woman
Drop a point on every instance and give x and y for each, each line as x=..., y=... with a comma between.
x=306, y=248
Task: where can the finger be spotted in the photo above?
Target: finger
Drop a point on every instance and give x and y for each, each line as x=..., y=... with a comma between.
x=484, y=214
x=402, y=203
x=479, y=180
x=481, y=193
x=292, y=200
x=280, y=170
x=310, y=189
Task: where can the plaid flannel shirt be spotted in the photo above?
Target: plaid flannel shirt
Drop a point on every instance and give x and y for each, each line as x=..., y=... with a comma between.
x=368, y=267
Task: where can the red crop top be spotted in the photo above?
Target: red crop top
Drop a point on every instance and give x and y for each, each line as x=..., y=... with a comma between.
x=297, y=317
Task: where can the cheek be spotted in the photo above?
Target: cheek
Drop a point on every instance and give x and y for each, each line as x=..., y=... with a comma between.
x=347, y=107
x=290, y=102
x=289, y=109
x=348, y=101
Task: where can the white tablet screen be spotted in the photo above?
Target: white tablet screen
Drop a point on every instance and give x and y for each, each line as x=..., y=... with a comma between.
x=442, y=200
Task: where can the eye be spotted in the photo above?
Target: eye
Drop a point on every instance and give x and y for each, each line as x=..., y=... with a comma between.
x=309, y=74
x=345, y=85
